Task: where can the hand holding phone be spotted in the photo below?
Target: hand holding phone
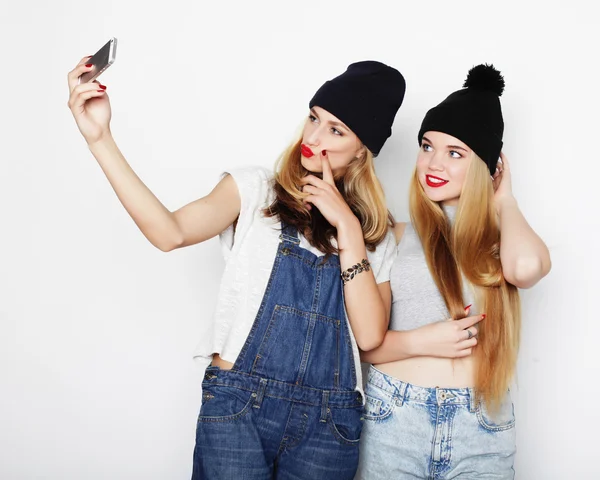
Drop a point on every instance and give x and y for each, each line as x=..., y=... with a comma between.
x=101, y=60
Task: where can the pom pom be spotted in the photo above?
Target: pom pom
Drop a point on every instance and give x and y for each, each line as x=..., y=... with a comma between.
x=485, y=78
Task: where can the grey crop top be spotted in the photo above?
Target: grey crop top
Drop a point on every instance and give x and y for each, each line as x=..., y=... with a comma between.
x=416, y=300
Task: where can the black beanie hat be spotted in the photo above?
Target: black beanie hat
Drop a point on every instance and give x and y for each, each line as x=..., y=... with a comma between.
x=366, y=97
x=473, y=114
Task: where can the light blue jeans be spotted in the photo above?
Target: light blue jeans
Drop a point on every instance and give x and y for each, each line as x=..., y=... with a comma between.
x=413, y=432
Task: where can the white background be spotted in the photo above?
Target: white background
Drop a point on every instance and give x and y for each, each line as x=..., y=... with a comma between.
x=97, y=327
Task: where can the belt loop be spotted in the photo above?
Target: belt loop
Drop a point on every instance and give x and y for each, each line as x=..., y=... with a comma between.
x=324, y=406
x=402, y=393
x=472, y=401
x=260, y=394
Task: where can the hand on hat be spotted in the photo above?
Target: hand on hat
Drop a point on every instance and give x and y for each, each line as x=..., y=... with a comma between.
x=502, y=182
x=324, y=195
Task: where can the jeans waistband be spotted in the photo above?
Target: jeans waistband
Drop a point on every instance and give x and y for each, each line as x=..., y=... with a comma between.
x=283, y=390
x=403, y=391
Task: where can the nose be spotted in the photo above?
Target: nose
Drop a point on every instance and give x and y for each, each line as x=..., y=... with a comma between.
x=436, y=162
x=313, y=139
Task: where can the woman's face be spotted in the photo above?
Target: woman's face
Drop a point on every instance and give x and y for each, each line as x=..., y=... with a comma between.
x=442, y=166
x=325, y=132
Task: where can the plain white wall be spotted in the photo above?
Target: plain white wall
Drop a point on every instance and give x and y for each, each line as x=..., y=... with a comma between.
x=97, y=328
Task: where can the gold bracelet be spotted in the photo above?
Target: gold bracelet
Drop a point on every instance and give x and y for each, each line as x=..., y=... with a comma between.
x=350, y=273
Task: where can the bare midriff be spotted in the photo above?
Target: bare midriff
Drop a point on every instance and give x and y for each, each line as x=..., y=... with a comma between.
x=433, y=371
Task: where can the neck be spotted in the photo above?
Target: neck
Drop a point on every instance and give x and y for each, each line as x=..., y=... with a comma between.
x=450, y=211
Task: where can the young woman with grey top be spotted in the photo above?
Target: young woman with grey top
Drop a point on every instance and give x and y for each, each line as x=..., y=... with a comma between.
x=446, y=412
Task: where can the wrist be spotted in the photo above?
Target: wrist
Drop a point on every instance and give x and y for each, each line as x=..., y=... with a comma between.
x=508, y=201
x=350, y=234
x=104, y=140
x=413, y=343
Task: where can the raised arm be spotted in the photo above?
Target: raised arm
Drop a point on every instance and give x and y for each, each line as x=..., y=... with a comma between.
x=524, y=256
x=166, y=230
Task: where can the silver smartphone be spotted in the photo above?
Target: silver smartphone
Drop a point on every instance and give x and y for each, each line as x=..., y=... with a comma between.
x=101, y=60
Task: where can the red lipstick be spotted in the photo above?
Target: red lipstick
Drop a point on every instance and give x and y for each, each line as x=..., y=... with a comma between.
x=306, y=152
x=435, y=182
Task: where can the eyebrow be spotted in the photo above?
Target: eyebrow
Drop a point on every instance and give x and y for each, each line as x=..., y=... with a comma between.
x=457, y=147
x=336, y=124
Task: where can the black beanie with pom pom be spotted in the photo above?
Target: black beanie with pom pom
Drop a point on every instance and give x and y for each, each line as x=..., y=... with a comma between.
x=473, y=114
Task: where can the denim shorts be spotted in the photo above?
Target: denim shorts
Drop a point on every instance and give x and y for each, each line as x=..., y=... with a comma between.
x=413, y=432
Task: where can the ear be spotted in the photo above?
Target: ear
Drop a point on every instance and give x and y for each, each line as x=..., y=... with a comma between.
x=361, y=152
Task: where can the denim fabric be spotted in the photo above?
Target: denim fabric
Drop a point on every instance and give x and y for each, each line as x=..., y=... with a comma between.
x=288, y=409
x=413, y=432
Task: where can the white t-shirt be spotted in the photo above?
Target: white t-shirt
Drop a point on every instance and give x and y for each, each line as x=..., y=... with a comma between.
x=249, y=256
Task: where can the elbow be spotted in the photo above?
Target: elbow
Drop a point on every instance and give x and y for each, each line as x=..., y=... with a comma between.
x=369, y=342
x=169, y=244
x=527, y=272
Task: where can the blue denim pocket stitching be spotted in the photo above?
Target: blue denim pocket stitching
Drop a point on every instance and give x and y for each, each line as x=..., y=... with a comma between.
x=228, y=418
x=384, y=409
x=487, y=425
x=338, y=435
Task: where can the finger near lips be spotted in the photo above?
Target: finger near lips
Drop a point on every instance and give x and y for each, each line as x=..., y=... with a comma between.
x=326, y=167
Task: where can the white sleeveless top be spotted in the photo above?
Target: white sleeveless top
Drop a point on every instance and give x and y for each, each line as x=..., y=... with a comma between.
x=249, y=254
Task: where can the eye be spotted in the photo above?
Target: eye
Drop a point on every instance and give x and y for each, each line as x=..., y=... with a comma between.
x=312, y=118
x=335, y=131
x=455, y=154
x=426, y=147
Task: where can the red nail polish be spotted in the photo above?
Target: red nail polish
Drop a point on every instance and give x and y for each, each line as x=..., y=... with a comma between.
x=88, y=65
x=103, y=87
x=324, y=152
x=468, y=306
x=483, y=316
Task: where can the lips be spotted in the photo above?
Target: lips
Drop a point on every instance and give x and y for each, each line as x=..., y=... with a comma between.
x=306, y=152
x=435, y=182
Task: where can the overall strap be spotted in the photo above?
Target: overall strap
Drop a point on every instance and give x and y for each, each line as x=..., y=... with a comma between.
x=289, y=234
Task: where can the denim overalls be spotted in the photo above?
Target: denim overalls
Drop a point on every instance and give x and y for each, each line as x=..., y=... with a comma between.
x=288, y=409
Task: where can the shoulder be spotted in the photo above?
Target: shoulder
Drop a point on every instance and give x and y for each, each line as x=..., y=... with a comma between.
x=383, y=256
x=252, y=175
x=254, y=183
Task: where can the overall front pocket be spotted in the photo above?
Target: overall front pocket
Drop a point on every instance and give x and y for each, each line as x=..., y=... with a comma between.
x=224, y=404
x=346, y=424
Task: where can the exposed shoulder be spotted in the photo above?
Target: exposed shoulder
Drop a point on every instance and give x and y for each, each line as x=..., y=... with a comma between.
x=249, y=174
x=399, y=228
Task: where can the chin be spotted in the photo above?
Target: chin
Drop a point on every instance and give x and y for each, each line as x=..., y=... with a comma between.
x=310, y=164
x=435, y=195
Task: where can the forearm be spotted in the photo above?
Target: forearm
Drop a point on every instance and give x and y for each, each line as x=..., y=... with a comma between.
x=366, y=309
x=153, y=219
x=524, y=256
x=395, y=346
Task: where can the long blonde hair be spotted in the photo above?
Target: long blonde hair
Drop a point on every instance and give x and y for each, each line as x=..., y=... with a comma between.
x=359, y=186
x=472, y=247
